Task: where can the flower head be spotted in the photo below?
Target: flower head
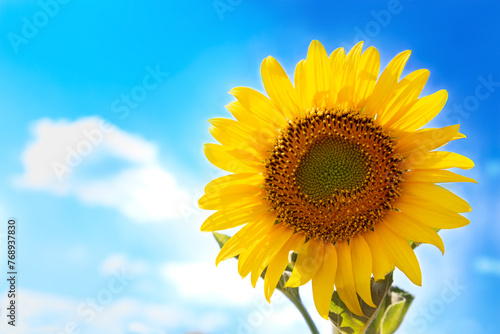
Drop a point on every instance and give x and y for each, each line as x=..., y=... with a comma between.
x=335, y=168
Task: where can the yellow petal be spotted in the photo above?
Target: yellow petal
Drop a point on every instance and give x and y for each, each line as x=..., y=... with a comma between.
x=401, y=252
x=422, y=111
x=279, y=88
x=362, y=268
x=323, y=281
x=423, y=141
x=431, y=193
x=439, y=160
x=385, y=85
x=309, y=258
x=230, y=196
x=259, y=105
x=435, y=176
x=247, y=236
x=301, y=89
x=317, y=78
x=408, y=228
x=262, y=133
x=381, y=262
x=275, y=242
x=369, y=67
x=279, y=263
x=247, y=258
x=234, y=134
x=233, y=161
x=256, y=260
x=229, y=127
x=405, y=94
x=216, y=185
x=233, y=217
x=344, y=280
x=430, y=214
x=244, y=116
x=336, y=62
x=347, y=95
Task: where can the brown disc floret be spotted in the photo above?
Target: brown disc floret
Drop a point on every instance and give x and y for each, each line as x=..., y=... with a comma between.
x=332, y=174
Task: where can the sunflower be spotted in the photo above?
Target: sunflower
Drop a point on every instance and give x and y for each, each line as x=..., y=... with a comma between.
x=336, y=168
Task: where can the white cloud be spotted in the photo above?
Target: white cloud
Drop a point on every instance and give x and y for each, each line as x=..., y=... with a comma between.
x=208, y=308
x=36, y=306
x=78, y=255
x=486, y=265
x=55, y=161
x=144, y=193
x=139, y=328
x=44, y=313
x=209, y=284
x=117, y=262
x=221, y=286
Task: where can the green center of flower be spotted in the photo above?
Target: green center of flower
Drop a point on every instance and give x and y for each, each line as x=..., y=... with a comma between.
x=329, y=165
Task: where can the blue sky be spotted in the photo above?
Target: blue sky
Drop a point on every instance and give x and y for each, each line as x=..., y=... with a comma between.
x=157, y=71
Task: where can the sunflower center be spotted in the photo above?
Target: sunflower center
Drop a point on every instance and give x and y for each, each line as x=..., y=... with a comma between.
x=331, y=163
x=332, y=174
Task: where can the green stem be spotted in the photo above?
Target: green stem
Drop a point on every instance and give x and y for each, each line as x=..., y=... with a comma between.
x=379, y=306
x=298, y=303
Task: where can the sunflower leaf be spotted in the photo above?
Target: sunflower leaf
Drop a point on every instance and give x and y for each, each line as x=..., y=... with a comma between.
x=393, y=315
x=414, y=244
x=289, y=292
x=349, y=323
x=221, y=238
